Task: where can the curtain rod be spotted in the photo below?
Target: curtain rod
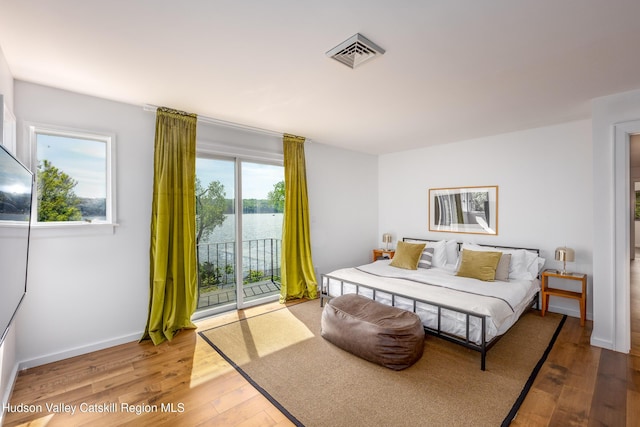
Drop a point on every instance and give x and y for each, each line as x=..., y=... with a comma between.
x=213, y=121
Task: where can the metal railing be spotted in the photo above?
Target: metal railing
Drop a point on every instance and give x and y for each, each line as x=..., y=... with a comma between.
x=217, y=262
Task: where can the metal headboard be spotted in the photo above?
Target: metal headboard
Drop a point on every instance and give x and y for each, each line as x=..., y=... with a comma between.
x=404, y=239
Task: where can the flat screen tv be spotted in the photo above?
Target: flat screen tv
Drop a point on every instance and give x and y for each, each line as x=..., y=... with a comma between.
x=16, y=189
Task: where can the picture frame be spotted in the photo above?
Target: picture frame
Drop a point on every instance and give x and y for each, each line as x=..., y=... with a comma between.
x=471, y=210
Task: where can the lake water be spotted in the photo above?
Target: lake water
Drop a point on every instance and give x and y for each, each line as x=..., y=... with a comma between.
x=258, y=252
x=254, y=227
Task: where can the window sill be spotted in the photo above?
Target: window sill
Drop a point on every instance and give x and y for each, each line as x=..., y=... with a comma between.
x=60, y=229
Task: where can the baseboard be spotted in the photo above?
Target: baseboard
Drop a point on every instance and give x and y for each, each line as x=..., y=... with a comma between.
x=594, y=341
x=77, y=351
x=598, y=342
x=568, y=311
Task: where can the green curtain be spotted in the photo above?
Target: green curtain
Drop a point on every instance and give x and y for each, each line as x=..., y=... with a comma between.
x=297, y=275
x=173, y=282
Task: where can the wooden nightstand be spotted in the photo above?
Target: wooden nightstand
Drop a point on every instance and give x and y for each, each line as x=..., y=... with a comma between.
x=387, y=253
x=580, y=296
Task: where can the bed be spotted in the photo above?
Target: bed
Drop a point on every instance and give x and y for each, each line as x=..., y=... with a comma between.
x=465, y=310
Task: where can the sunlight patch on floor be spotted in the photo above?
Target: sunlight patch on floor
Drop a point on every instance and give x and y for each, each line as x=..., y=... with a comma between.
x=253, y=331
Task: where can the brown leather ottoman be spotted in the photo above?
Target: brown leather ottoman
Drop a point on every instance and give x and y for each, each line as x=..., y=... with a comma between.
x=379, y=333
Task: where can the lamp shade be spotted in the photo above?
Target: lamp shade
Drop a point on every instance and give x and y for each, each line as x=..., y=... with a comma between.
x=565, y=254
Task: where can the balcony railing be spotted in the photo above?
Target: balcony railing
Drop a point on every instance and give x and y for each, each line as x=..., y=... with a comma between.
x=217, y=262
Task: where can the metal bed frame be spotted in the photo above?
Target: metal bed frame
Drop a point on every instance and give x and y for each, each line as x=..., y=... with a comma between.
x=482, y=347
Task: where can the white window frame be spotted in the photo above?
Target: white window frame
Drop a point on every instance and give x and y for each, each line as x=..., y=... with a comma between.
x=33, y=129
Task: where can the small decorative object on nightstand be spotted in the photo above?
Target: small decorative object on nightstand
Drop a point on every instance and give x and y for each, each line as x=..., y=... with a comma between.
x=383, y=253
x=580, y=296
x=565, y=254
x=386, y=238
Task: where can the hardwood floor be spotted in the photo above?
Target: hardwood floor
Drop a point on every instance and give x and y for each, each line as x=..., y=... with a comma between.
x=579, y=385
x=204, y=389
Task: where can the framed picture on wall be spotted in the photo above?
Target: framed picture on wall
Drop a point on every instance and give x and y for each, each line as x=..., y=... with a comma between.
x=464, y=210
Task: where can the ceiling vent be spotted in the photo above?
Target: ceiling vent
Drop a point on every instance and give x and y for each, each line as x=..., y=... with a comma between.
x=355, y=51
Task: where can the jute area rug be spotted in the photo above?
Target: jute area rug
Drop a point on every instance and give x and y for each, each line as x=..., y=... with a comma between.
x=315, y=383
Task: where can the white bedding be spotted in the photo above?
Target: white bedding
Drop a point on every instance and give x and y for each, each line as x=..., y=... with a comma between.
x=502, y=302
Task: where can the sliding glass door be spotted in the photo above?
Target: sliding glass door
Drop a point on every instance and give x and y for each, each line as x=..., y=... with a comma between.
x=216, y=231
x=262, y=208
x=239, y=227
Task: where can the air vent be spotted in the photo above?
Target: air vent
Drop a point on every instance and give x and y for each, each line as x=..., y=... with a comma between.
x=355, y=51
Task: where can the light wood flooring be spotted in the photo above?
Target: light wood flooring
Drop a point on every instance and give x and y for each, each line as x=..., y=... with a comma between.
x=579, y=385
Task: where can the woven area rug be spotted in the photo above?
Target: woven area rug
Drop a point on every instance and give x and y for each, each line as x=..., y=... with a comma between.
x=315, y=383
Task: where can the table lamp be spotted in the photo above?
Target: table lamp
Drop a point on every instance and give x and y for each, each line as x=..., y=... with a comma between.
x=386, y=238
x=565, y=254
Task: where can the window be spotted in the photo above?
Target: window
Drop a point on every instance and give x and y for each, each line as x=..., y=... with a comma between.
x=74, y=178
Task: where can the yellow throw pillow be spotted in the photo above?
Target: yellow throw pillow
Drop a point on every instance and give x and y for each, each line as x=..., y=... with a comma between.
x=479, y=264
x=407, y=255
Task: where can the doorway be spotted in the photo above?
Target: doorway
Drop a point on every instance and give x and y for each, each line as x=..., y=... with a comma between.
x=634, y=279
x=239, y=209
x=623, y=229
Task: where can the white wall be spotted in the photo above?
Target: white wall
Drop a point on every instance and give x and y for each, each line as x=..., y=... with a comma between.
x=91, y=291
x=544, y=178
x=343, y=204
x=6, y=80
x=88, y=290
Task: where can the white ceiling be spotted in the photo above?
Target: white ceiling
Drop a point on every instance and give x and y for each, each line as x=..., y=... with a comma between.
x=452, y=70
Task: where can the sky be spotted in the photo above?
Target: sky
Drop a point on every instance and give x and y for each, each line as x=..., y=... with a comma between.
x=257, y=178
x=82, y=159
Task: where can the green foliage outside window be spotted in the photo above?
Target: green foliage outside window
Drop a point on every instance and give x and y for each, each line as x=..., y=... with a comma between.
x=57, y=200
x=211, y=276
x=276, y=197
x=210, y=208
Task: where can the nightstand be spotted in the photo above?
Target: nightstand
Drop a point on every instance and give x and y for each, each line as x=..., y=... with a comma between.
x=383, y=253
x=580, y=296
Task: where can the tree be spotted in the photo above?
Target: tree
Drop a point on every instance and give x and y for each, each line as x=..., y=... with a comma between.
x=249, y=206
x=276, y=197
x=210, y=208
x=57, y=200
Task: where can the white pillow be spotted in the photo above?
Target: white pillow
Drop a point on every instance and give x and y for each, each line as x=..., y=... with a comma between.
x=541, y=262
x=519, y=268
x=439, y=253
x=534, y=264
x=452, y=251
x=529, y=267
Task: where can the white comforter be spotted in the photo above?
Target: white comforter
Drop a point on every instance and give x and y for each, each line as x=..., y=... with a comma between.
x=502, y=302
